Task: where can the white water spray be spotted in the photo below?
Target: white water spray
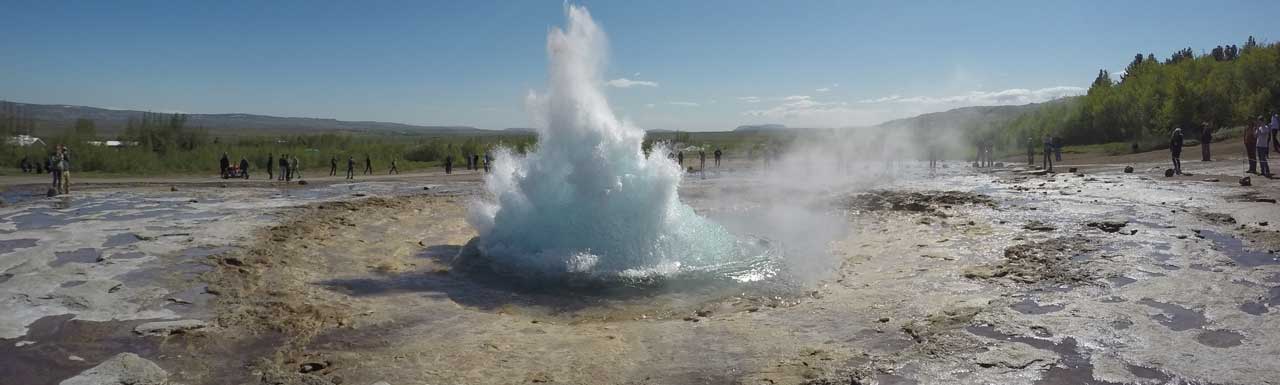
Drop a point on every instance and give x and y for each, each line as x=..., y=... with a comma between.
x=588, y=200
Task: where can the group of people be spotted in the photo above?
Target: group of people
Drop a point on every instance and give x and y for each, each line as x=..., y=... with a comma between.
x=1052, y=151
x=986, y=153
x=1259, y=141
x=58, y=164
x=474, y=162
x=229, y=170
x=678, y=156
x=288, y=168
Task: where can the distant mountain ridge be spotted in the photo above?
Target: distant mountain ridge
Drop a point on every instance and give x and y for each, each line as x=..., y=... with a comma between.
x=966, y=117
x=58, y=117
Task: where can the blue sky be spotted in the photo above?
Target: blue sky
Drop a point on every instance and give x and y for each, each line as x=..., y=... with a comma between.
x=692, y=65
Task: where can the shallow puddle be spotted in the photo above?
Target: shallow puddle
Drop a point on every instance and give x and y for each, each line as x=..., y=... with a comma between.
x=1030, y=306
x=1220, y=338
x=9, y=245
x=81, y=255
x=1234, y=248
x=1176, y=318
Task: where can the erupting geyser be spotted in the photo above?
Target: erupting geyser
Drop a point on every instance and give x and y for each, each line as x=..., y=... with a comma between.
x=587, y=201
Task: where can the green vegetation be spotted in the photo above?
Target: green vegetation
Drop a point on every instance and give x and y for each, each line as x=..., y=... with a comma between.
x=1228, y=87
x=160, y=144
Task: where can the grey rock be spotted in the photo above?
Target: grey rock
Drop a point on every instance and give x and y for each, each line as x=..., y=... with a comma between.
x=1246, y=181
x=123, y=369
x=1128, y=169
x=166, y=328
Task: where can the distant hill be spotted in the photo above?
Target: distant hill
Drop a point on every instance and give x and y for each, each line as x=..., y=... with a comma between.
x=59, y=117
x=760, y=127
x=966, y=117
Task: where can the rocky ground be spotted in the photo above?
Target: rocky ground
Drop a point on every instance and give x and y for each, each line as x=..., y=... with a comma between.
x=982, y=276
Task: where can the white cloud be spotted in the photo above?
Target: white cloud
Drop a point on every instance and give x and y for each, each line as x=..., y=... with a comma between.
x=683, y=104
x=749, y=99
x=802, y=110
x=628, y=83
x=823, y=89
x=650, y=105
x=984, y=98
x=828, y=88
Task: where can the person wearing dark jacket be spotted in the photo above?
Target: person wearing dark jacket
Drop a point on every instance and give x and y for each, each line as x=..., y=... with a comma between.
x=224, y=164
x=333, y=166
x=1206, y=136
x=244, y=167
x=1175, y=149
x=271, y=166
x=351, y=167
x=1250, y=151
x=368, y=165
x=448, y=165
x=284, y=167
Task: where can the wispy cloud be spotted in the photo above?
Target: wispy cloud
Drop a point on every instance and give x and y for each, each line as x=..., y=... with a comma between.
x=628, y=83
x=650, y=105
x=985, y=98
x=828, y=88
x=684, y=104
x=749, y=99
x=803, y=110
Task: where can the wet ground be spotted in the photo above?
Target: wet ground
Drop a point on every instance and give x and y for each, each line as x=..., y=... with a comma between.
x=892, y=277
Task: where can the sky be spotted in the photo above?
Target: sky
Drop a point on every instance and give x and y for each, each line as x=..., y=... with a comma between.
x=675, y=65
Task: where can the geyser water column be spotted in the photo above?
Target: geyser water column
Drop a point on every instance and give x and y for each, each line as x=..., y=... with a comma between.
x=587, y=200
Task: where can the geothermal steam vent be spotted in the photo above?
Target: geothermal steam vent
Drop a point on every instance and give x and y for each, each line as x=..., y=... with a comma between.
x=588, y=200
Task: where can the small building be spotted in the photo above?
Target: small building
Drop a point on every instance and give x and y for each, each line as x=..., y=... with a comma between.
x=24, y=141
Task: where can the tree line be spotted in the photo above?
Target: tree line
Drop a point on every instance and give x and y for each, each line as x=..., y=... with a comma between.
x=1224, y=88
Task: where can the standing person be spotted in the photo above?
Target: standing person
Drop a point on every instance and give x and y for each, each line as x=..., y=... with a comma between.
x=1206, y=136
x=244, y=167
x=394, y=169
x=1250, y=138
x=1175, y=149
x=1275, y=128
x=25, y=164
x=1031, y=151
x=488, y=160
x=65, y=166
x=333, y=165
x=702, y=160
x=271, y=165
x=680, y=159
x=351, y=167
x=295, y=167
x=475, y=161
x=718, y=154
x=1263, y=145
x=1057, y=149
x=1048, y=153
x=55, y=168
x=448, y=164
x=368, y=165
x=283, y=163
x=224, y=164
